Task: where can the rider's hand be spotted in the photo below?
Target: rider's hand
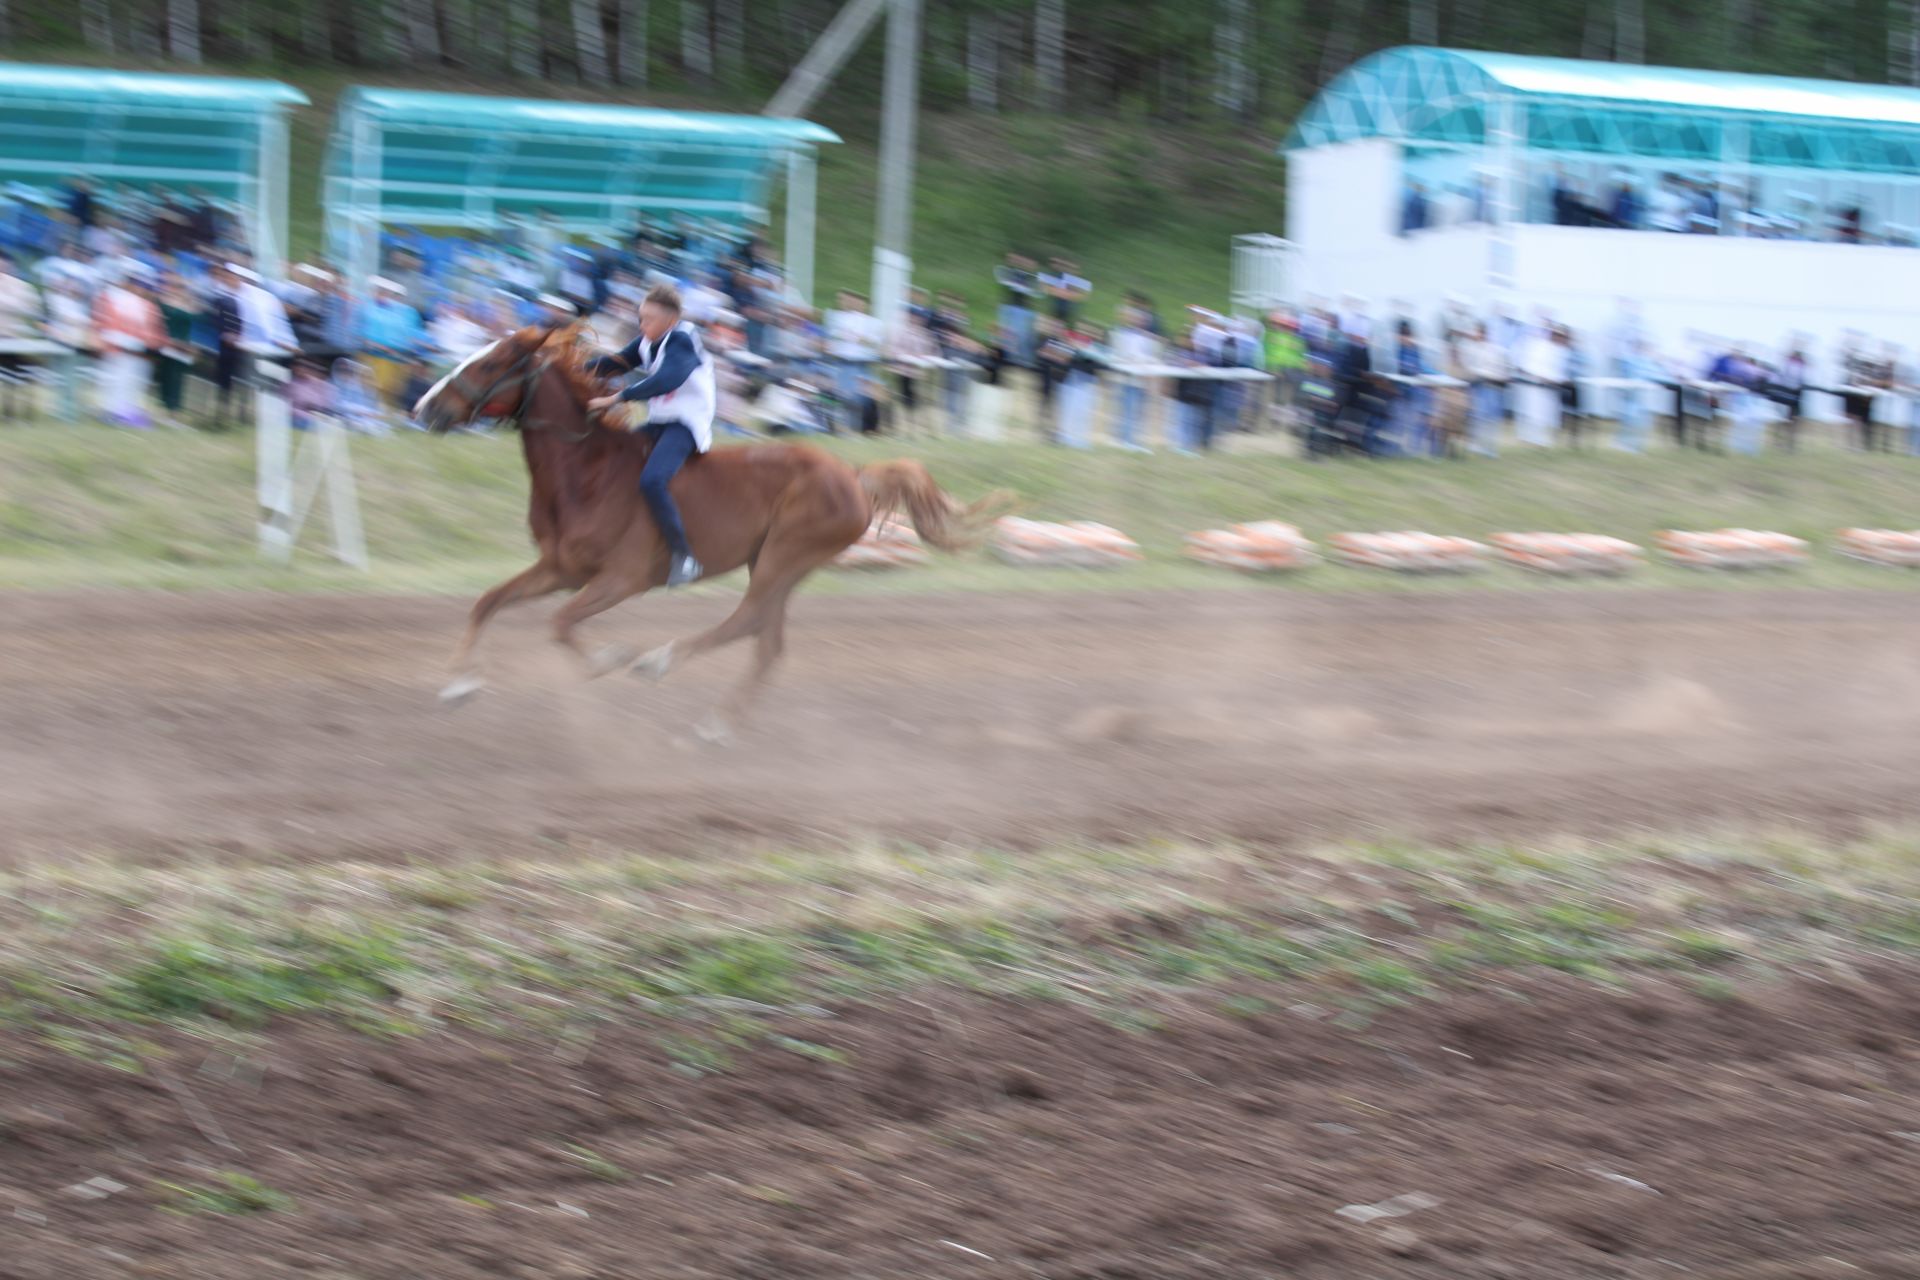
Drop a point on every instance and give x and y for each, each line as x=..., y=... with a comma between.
x=600, y=404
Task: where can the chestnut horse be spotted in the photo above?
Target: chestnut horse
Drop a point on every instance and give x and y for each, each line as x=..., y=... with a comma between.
x=782, y=510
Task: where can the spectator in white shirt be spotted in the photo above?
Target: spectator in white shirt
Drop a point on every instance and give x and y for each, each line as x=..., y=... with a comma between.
x=1209, y=335
x=1625, y=338
x=1131, y=343
x=1484, y=367
x=910, y=348
x=265, y=333
x=853, y=343
x=70, y=326
x=703, y=301
x=1671, y=208
x=1543, y=368
x=71, y=265
x=1066, y=288
x=19, y=318
x=455, y=333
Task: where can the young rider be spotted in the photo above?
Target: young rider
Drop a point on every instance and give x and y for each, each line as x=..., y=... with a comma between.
x=678, y=388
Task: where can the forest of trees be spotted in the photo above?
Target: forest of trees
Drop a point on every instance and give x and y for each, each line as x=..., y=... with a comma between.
x=1171, y=59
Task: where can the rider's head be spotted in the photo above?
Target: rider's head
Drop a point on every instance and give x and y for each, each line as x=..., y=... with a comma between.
x=659, y=312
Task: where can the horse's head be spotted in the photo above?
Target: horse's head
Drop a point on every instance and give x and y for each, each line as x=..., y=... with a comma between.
x=494, y=382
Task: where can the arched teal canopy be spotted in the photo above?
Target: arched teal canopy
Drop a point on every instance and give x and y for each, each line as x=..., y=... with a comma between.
x=1451, y=97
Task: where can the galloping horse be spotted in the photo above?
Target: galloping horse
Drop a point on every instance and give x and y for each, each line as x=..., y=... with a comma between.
x=782, y=510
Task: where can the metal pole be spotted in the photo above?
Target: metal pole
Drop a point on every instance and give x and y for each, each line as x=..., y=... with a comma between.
x=829, y=53
x=800, y=216
x=366, y=204
x=1510, y=200
x=900, y=94
x=1733, y=156
x=276, y=243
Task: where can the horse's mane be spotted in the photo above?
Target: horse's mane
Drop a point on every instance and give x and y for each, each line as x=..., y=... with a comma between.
x=572, y=346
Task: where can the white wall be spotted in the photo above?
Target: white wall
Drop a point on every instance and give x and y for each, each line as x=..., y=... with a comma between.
x=1343, y=212
x=1753, y=291
x=1344, y=206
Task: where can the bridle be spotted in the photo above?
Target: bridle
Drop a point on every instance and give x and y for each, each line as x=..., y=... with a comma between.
x=528, y=370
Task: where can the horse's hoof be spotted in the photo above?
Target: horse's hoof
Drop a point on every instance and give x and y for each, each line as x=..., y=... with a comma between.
x=460, y=690
x=714, y=730
x=656, y=664
x=609, y=659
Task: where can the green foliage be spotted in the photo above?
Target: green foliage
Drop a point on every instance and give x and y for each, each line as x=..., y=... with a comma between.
x=228, y=1193
x=596, y=1164
x=449, y=515
x=245, y=978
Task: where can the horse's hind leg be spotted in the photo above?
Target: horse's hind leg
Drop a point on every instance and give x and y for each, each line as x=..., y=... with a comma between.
x=762, y=614
x=747, y=619
x=768, y=645
x=601, y=593
x=542, y=579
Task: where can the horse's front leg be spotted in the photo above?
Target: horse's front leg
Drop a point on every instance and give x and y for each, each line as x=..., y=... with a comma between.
x=542, y=579
x=603, y=591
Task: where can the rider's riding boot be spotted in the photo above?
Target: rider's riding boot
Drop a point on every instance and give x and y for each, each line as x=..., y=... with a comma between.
x=685, y=569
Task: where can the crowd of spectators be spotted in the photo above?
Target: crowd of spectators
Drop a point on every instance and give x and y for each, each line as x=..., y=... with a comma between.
x=1695, y=204
x=1398, y=387
x=116, y=299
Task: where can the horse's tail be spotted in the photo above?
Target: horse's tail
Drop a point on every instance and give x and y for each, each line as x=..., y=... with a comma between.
x=943, y=520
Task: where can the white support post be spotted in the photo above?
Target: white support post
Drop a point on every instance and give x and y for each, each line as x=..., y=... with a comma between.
x=273, y=445
x=829, y=53
x=1733, y=158
x=267, y=218
x=325, y=459
x=1510, y=199
x=366, y=204
x=800, y=220
x=900, y=95
x=287, y=492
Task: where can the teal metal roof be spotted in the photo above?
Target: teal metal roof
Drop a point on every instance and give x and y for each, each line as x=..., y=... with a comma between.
x=1684, y=87
x=448, y=159
x=1446, y=96
x=142, y=90
x=142, y=129
x=401, y=109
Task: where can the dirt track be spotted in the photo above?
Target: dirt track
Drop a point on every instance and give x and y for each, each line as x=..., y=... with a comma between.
x=1572, y=1133
x=159, y=726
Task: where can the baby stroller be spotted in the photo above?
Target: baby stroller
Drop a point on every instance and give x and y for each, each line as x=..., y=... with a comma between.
x=1335, y=423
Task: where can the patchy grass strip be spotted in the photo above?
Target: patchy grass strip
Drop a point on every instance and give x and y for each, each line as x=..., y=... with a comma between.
x=557, y=947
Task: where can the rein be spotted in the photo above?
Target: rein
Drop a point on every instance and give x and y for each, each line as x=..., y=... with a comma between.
x=529, y=374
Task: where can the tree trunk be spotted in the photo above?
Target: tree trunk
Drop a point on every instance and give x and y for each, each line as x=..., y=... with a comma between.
x=1337, y=52
x=1740, y=32
x=423, y=32
x=1468, y=18
x=633, y=43
x=1230, y=46
x=523, y=37
x=730, y=29
x=696, y=39
x=1423, y=21
x=1049, y=52
x=589, y=42
x=1593, y=44
x=183, y=29
x=242, y=26
x=457, y=46
x=96, y=25
x=1629, y=31
x=1903, y=42
x=983, y=61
